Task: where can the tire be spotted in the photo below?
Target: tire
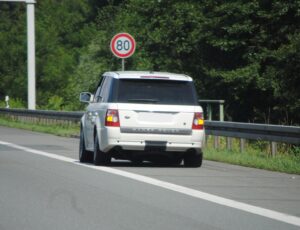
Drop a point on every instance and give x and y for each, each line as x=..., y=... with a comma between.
x=84, y=155
x=100, y=158
x=193, y=160
x=176, y=161
x=136, y=161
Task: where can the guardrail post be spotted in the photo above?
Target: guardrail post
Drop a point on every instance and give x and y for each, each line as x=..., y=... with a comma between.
x=273, y=148
x=242, y=145
x=221, y=110
x=204, y=142
x=209, y=114
x=229, y=143
x=209, y=111
x=216, y=142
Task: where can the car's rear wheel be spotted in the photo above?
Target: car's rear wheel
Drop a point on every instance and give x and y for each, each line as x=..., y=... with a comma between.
x=84, y=155
x=136, y=160
x=100, y=158
x=193, y=160
x=176, y=161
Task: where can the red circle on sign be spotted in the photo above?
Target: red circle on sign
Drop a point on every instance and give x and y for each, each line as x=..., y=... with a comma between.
x=116, y=38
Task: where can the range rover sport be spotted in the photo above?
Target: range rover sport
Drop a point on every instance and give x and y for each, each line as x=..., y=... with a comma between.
x=142, y=116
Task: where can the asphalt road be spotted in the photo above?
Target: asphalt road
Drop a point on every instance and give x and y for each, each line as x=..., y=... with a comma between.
x=49, y=189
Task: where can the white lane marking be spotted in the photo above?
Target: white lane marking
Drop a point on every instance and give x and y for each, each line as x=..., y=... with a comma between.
x=294, y=220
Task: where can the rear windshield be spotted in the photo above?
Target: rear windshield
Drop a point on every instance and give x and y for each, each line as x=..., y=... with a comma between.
x=155, y=92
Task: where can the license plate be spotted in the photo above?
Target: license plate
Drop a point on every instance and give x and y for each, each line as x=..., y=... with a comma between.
x=156, y=146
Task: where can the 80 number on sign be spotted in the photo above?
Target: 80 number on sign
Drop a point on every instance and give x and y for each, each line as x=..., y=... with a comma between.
x=122, y=45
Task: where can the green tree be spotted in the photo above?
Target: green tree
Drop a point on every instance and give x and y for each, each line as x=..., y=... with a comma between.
x=13, y=72
x=62, y=32
x=246, y=52
x=252, y=49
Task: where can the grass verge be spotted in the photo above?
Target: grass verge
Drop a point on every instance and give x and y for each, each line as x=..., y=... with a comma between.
x=65, y=130
x=282, y=162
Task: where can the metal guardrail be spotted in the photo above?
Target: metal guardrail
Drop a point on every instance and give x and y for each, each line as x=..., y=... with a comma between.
x=43, y=114
x=265, y=132
x=209, y=110
x=274, y=133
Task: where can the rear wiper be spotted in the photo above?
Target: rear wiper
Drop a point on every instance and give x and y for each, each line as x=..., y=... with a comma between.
x=139, y=100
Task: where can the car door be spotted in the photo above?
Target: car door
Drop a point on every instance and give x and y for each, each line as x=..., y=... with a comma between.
x=91, y=115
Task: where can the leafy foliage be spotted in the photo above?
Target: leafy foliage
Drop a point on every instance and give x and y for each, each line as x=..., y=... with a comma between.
x=246, y=52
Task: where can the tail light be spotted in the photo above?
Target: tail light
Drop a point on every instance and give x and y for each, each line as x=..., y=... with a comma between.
x=112, y=118
x=198, y=122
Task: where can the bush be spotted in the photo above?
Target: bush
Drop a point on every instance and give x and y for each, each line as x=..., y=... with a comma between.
x=55, y=103
x=14, y=104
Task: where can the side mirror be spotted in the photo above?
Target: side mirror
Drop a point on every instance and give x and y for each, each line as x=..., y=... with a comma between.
x=86, y=97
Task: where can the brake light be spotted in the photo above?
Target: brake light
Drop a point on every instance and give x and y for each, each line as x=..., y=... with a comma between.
x=154, y=77
x=198, y=122
x=112, y=118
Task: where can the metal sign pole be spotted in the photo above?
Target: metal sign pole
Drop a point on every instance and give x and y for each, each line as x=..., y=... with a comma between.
x=30, y=50
x=123, y=64
x=31, y=55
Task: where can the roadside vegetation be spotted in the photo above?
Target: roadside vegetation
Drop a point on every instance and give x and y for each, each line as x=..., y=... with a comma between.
x=245, y=52
x=256, y=154
x=64, y=129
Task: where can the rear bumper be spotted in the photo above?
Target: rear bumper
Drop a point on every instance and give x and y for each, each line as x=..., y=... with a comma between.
x=112, y=137
x=141, y=145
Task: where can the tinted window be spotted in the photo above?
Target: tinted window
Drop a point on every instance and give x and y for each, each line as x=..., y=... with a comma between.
x=104, y=93
x=156, y=92
x=97, y=97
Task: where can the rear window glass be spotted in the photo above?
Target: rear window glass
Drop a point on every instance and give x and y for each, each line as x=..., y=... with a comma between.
x=155, y=92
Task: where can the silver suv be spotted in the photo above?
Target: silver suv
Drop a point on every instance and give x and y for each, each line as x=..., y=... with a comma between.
x=142, y=116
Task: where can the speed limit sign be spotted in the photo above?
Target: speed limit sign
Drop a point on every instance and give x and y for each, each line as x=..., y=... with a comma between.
x=122, y=45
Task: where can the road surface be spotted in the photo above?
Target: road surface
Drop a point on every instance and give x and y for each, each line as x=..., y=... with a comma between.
x=43, y=186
